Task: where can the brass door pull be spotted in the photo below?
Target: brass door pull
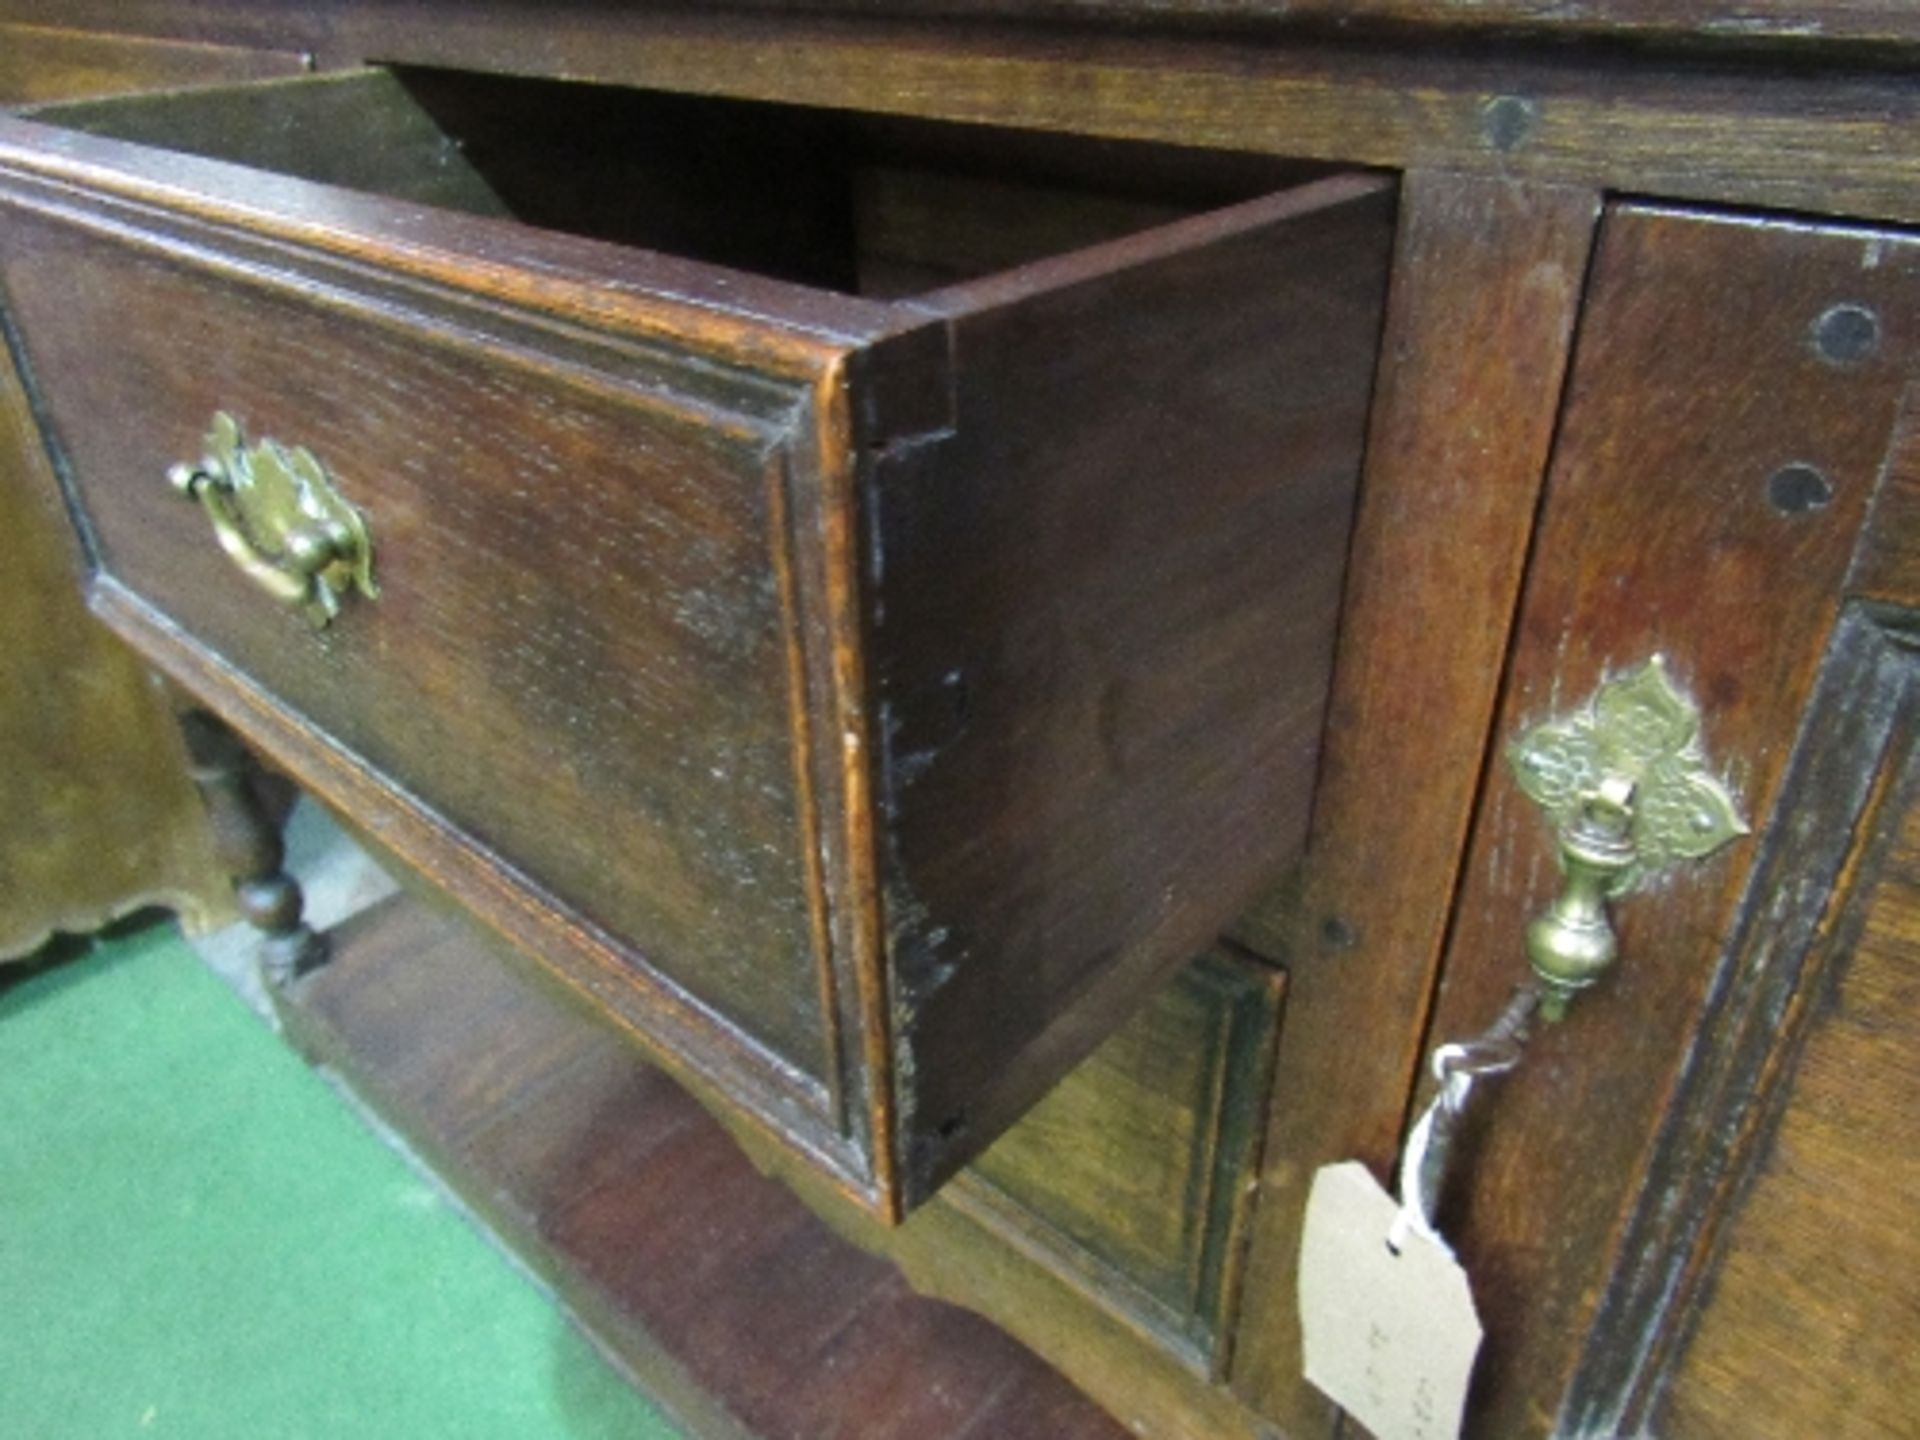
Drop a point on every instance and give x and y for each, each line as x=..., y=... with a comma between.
x=278, y=516
x=1625, y=781
x=1627, y=785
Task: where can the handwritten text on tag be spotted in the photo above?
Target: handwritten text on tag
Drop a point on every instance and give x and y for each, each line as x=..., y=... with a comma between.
x=1389, y=1337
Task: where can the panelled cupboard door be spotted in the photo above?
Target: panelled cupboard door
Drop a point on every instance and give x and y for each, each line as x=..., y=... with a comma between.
x=1810, y=1310
x=1738, y=388
x=1807, y=1307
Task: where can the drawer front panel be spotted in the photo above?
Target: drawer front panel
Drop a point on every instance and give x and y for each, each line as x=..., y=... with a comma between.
x=579, y=654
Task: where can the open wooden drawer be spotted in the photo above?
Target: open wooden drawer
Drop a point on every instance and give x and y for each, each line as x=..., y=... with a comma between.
x=854, y=598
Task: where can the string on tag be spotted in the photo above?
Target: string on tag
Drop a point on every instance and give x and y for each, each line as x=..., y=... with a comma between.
x=1456, y=1068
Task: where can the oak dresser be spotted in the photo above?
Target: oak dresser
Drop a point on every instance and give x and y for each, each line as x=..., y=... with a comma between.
x=1037, y=600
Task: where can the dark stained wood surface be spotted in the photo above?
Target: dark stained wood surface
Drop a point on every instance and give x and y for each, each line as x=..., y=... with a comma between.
x=40, y=63
x=1698, y=378
x=1886, y=568
x=1720, y=119
x=1812, y=1313
x=1816, y=897
x=1488, y=280
x=1451, y=413
x=251, y=24
x=1022, y=1273
x=383, y=142
x=597, y=393
x=739, y=319
x=510, y=507
x=1847, y=791
x=1801, y=25
x=1101, y=629
x=1829, y=140
x=744, y=639
x=1807, y=27
x=709, y=1281
x=1129, y=1177
x=1690, y=123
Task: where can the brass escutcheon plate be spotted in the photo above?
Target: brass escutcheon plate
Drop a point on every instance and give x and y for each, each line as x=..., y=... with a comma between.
x=1640, y=730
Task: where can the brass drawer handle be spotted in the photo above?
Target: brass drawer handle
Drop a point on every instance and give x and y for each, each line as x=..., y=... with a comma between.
x=278, y=516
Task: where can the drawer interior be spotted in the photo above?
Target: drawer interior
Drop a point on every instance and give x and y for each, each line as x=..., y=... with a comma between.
x=858, y=204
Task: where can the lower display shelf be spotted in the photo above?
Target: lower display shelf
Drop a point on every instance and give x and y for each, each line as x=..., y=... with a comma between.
x=722, y=1295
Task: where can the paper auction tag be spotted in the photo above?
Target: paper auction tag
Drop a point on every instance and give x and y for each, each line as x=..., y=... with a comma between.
x=1389, y=1337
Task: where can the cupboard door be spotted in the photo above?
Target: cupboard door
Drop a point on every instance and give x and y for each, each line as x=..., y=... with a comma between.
x=1736, y=393
x=1807, y=1310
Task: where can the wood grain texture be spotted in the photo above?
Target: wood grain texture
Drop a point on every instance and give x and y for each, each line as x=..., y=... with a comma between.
x=1687, y=125
x=1886, y=568
x=1802, y=25
x=1831, y=141
x=97, y=816
x=1098, y=682
x=1488, y=279
x=1738, y=126
x=953, y=1250
x=1129, y=1177
x=249, y=24
x=1846, y=795
x=1813, y=1317
x=1755, y=133
x=395, y=148
x=1806, y=27
x=498, y=370
x=767, y=610
x=1661, y=533
x=709, y=1282
x=40, y=63
x=512, y=511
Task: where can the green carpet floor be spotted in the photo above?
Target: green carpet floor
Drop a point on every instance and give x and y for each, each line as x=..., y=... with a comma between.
x=199, y=1238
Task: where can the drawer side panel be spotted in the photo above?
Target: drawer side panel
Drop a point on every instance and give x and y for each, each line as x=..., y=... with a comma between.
x=1102, y=632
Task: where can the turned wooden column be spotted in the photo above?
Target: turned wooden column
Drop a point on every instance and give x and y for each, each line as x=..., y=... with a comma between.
x=250, y=847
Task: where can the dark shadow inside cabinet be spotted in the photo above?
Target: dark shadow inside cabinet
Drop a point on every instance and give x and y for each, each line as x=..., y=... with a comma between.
x=860, y=204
